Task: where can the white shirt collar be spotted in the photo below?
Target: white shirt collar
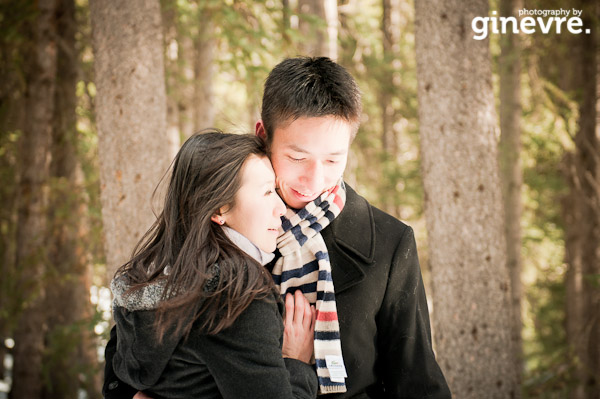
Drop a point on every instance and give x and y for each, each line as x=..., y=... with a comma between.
x=247, y=246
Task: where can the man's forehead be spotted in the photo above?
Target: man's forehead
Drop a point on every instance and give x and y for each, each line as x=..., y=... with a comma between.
x=327, y=135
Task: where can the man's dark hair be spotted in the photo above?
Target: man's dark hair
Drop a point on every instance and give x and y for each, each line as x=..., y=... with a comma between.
x=309, y=87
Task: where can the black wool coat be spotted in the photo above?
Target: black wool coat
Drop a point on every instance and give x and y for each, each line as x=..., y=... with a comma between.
x=382, y=308
x=242, y=362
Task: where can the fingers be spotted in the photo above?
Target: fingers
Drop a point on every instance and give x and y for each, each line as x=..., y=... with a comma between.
x=298, y=337
x=307, y=318
x=289, y=309
x=299, y=307
x=299, y=311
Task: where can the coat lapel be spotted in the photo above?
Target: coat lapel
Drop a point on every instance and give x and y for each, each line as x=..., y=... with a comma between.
x=350, y=241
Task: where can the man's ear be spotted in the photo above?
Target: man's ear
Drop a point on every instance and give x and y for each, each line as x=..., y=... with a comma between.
x=260, y=130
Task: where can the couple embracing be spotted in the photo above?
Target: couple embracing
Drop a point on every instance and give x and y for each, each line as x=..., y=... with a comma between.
x=265, y=276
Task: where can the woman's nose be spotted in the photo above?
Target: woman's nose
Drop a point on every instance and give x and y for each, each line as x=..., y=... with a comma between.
x=279, y=207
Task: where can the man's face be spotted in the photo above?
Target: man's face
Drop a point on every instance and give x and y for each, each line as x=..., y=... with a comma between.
x=309, y=156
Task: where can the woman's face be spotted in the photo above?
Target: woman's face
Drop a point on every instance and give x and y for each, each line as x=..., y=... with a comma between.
x=257, y=209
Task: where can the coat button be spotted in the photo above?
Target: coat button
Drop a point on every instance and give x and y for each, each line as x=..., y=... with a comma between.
x=113, y=385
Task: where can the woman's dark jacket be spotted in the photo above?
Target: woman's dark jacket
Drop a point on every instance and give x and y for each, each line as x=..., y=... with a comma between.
x=242, y=361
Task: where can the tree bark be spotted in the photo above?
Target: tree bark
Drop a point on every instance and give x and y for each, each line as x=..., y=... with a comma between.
x=133, y=145
x=572, y=216
x=346, y=52
x=12, y=98
x=205, y=46
x=33, y=199
x=583, y=216
x=170, y=17
x=463, y=201
x=390, y=30
x=70, y=356
x=285, y=23
x=510, y=163
x=187, y=92
x=322, y=41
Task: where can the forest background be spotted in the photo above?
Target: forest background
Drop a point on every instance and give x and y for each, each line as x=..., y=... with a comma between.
x=488, y=148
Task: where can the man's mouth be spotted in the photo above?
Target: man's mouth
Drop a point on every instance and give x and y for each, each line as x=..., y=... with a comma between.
x=308, y=196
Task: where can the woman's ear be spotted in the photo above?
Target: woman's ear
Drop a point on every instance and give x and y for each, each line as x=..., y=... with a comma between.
x=218, y=218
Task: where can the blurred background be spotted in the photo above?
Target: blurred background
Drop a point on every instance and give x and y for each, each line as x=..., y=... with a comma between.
x=202, y=64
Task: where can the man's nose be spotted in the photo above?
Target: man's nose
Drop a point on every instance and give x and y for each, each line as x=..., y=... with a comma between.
x=313, y=176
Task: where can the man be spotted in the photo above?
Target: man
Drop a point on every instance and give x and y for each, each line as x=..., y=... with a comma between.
x=310, y=114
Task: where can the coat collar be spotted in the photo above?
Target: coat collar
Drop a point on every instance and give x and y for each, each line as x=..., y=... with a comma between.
x=351, y=241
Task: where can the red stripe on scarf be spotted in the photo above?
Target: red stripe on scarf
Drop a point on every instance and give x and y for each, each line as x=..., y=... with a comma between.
x=327, y=316
x=338, y=201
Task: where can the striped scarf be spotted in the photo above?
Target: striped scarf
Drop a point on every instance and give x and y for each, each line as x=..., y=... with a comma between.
x=304, y=265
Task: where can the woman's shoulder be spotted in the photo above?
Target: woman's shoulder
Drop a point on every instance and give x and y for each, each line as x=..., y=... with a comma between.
x=147, y=297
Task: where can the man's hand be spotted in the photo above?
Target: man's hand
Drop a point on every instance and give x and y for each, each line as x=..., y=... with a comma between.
x=299, y=328
x=141, y=395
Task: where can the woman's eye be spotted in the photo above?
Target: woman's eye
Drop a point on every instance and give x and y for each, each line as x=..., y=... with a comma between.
x=296, y=159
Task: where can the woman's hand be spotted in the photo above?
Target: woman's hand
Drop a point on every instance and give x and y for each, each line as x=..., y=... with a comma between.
x=299, y=328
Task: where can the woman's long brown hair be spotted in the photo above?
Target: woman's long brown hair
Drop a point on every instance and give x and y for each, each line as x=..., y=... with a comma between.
x=206, y=176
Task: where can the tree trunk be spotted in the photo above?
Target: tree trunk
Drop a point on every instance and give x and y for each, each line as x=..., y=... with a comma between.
x=321, y=40
x=347, y=50
x=187, y=92
x=33, y=199
x=285, y=23
x=390, y=31
x=583, y=217
x=12, y=98
x=511, y=175
x=131, y=119
x=581, y=211
x=69, y=357
x=463, y=201
x=170, y=24
x=572, y=216
x=205, y=46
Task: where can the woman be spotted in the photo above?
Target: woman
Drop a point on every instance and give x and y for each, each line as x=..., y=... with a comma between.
x=196, y=313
